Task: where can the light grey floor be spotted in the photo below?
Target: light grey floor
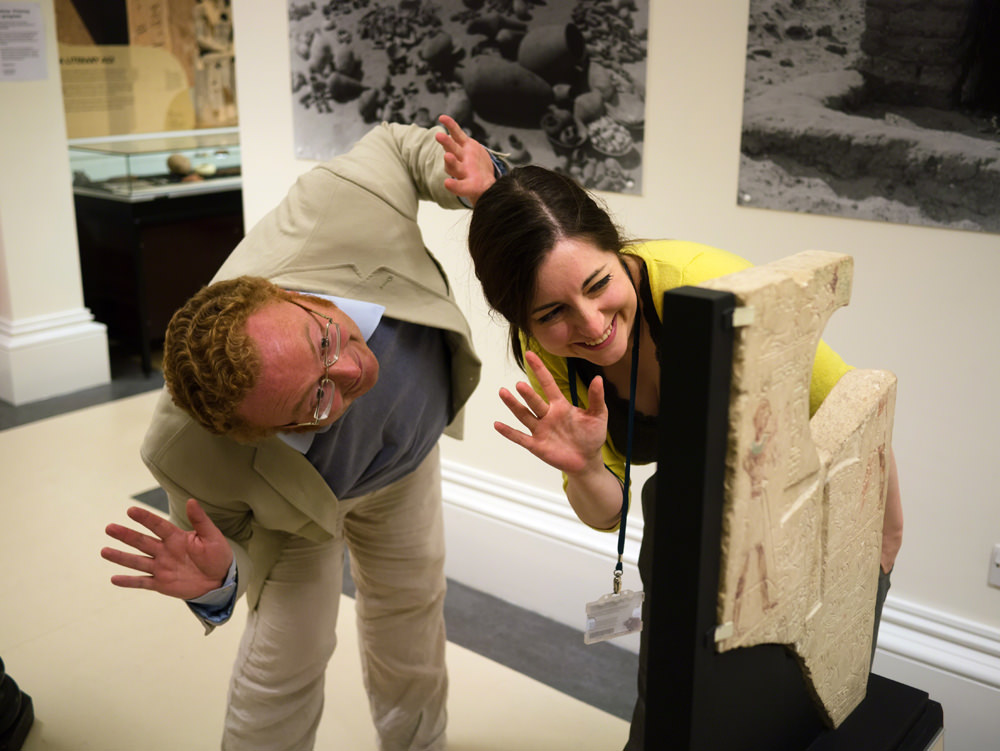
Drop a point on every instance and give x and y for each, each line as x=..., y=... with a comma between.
x=601, y=675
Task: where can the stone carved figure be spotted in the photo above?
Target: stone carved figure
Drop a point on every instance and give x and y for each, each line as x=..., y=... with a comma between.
x=802, y=523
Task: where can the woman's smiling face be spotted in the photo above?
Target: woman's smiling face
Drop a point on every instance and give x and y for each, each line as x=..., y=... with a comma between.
x=584, y=304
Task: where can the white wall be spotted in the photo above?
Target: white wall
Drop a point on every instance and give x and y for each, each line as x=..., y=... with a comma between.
x=49, y=343
x=923, y=306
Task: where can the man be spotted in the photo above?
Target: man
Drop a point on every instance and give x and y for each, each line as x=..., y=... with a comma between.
x=307, y=387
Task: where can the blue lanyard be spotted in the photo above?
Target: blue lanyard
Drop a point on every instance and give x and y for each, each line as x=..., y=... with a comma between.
x=633, y=378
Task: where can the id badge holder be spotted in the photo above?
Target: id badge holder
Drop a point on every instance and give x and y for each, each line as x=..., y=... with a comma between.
x=614, y=615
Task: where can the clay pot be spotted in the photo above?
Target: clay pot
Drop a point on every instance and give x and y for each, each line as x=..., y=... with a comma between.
x=588, y=106
x=599, y=79
x=509, y=41
x=346, y=62
x=344, y=88
x=437, y=50
x=517, y=153
x=369, y=104
x=565, y=132
x=555, y=120
x=321, y=60
x=504, y=92
x=491, y=23
x=563, y=93
x=554, y=51
x=459, y=106
x=422, y=117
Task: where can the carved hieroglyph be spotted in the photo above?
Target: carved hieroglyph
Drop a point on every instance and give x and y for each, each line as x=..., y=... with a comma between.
x=802, y=523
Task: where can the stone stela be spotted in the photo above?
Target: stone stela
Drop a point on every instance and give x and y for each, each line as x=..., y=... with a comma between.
x=804, y=499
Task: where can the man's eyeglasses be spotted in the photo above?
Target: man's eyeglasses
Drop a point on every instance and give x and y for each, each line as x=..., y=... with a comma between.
x=326, y=390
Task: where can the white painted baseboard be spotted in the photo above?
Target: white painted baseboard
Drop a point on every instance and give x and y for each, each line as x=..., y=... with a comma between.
x=955, y=660
x=941, y=641
x=528, y=548
x=50, y=355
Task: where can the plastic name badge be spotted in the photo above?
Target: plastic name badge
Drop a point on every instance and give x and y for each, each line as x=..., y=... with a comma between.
x=613, y=616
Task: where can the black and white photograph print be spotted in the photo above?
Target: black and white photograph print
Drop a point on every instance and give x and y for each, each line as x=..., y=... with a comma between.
x=557, y=83
x=885, y=110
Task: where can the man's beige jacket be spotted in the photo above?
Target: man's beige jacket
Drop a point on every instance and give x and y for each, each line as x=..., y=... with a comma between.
x=347, y=227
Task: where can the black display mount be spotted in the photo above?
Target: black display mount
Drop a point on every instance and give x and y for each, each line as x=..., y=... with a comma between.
x=747, y=699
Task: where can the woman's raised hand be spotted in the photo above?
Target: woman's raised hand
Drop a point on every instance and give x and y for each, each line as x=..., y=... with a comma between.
x=566, y=437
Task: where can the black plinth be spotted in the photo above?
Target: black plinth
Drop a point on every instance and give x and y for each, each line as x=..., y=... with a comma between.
x=892, y=716
x=141, y=260
x=751, y=699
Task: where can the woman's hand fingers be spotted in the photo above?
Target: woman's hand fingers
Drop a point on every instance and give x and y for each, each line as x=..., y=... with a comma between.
x=527, y=417
x=548, y=384
x=515, y=436
x=595, y=398
x=533, y=400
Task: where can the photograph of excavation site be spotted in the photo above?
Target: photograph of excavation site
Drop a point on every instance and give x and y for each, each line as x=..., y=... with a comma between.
x=885, y=110
x=558, y=83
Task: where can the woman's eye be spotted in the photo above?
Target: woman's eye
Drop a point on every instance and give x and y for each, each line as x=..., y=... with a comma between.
x=601, y=284
x=550, y=316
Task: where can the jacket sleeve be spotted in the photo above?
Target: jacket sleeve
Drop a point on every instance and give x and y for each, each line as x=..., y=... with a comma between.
x=164, y=447
x=403, y=164
x=233, y=522
x=357, y=210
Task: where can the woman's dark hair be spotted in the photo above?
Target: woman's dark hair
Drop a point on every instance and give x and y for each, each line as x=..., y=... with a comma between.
x=515, y=223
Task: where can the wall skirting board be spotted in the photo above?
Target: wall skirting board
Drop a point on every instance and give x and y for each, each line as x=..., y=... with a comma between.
x=35, y=351
x=955, y=660
x=509, y=540
x=941, y=641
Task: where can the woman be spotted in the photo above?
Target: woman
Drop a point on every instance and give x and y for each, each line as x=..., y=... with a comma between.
x=582, y=307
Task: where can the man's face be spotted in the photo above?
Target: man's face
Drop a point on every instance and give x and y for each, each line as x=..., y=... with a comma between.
x=288, y=338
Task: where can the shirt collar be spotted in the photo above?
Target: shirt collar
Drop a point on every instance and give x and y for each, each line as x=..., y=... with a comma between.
x=365, y=314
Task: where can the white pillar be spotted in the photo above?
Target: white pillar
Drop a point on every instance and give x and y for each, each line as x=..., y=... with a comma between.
x=49, y=342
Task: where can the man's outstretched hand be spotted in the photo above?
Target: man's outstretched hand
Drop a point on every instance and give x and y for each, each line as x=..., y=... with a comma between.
x=173, y=561
x=467, y=162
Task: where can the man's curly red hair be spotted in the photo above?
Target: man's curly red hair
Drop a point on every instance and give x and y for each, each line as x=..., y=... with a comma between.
x=210, y=363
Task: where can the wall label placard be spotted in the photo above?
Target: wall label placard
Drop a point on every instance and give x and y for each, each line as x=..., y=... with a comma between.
x=22, y=42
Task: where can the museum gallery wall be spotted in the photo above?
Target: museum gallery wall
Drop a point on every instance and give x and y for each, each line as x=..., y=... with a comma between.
x=145, y=66
x=885, y=110
x=558, y=84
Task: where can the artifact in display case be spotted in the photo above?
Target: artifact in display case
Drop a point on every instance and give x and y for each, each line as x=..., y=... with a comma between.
x=140, y=169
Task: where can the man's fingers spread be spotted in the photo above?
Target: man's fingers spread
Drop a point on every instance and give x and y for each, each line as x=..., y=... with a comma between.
x=153, y=522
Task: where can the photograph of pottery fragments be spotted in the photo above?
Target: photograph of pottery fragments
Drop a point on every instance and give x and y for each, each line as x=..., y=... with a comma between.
x=855, y=109
x=558, y=83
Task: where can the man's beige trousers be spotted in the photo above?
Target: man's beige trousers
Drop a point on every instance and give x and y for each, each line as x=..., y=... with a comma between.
x=395, y=537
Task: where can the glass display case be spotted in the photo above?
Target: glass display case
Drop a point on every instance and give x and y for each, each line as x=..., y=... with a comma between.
x=143, y=168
